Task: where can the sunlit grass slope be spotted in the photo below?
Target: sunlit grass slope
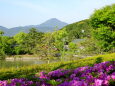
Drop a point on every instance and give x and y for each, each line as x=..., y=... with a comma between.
x=27, y=71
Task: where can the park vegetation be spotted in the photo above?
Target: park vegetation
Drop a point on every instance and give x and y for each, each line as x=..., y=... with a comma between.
x=98, y=33
x=89, y=37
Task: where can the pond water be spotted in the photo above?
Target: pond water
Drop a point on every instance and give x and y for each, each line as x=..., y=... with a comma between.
x=19, y=62
x=25, y=61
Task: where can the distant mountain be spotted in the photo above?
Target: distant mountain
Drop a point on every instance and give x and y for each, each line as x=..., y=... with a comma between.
x=3, y=28
x=53, y=23
x=47, y=26
x=6, y=30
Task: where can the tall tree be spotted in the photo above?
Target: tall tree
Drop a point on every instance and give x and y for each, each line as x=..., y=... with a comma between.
x=20, y=40
x=32, y=39
x=103, y=23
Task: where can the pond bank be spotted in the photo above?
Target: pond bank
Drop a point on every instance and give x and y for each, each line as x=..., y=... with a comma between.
x=22, y=58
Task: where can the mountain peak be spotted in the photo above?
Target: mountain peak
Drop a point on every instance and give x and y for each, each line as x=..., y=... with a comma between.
x=53, y=22
x=53, y=19
x=47, y=26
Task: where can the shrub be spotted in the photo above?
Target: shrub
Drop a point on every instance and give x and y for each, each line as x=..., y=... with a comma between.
x=2, y=55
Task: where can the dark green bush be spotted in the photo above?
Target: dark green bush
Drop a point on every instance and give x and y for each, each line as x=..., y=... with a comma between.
x=2, y=55
x=99, y=60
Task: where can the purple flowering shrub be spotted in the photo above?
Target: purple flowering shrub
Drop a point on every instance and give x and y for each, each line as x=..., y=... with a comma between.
x=101, y=74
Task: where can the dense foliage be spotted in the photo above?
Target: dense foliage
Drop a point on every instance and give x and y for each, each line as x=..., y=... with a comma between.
x=21, y=43
x=78, y=30
x=103, y=23
x=102, y=74
x=27, y=42
x=97, y=32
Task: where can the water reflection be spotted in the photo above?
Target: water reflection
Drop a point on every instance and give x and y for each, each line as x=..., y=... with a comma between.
x=19, y=62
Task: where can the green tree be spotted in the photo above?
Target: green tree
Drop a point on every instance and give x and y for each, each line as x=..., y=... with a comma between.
x=60, y=37
x=103, y=23
x=78, y=30
x=19, y=37
x=1, y=33
x=7, y=45
x=88, y=47
x=72, y=47
x=46, y=49
x=20, y=40
x=2, y=54
x=32, y=39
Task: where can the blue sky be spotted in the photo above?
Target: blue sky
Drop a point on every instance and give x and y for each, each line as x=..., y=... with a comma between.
x=32, y=12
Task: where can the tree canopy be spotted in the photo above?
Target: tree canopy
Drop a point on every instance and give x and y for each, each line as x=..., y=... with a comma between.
x=103, y=23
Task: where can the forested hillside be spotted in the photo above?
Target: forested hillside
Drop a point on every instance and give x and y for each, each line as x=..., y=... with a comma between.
x=78, y=30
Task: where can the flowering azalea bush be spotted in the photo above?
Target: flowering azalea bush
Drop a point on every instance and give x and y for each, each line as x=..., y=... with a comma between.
x=102, y=74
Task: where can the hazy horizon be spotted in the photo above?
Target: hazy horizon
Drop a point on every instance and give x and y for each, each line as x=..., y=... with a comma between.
x=16, y=13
